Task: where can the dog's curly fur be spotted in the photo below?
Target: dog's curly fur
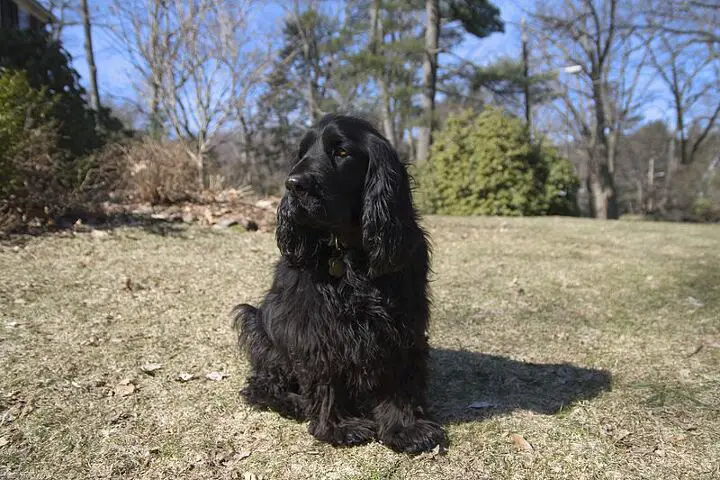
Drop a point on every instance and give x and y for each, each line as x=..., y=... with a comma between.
x=346, y=348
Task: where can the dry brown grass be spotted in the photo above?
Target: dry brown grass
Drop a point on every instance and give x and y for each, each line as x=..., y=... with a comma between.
x=598, y=343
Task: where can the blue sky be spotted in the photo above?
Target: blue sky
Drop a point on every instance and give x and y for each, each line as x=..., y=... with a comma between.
x=114, y=70
x=113, y=67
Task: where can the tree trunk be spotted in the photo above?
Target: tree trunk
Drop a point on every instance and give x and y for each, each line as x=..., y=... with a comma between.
x=669, y=172
x=432, y=33
x=603, y=203
x=198, y=157
x=650, y=203
x=602, y=157
x=386, y=113
x=526, y=78
x=375, y=42
x=156, y=75
x=90, y=54
x=156, y=127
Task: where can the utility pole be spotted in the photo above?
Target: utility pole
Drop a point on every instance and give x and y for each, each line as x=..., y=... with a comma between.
x=526, y=75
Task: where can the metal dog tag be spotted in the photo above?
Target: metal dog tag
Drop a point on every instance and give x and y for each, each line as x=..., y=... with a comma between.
x=337, y=267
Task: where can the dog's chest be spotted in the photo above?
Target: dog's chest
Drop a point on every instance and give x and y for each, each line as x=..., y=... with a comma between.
x=342, y=331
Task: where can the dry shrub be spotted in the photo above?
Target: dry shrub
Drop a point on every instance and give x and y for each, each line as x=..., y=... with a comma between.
x=44, y=182
x=152, y=171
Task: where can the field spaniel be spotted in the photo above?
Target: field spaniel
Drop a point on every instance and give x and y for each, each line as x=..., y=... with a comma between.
x=340, y=338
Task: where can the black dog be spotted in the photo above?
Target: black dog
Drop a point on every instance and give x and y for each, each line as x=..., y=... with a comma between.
x=340, y=338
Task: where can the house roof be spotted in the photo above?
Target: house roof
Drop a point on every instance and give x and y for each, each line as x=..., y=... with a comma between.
x=36, y=9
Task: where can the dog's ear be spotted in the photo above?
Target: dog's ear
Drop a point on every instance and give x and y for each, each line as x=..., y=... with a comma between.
x=389, y=222
x=297, y=243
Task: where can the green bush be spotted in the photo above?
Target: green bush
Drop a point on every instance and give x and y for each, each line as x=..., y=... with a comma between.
x=486, y=165
x=49, y=136
x=48, y=68
x=30, y=162
x=40, y=180
x=704, y=210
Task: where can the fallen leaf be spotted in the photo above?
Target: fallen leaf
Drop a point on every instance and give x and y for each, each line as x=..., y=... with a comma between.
x=520, y=442
x=20, y=301
x=678, y=438
x=696, y=350
x=98, y=234
x=13, y=324
x=621, y=434
x=91, y=342
x=268, y=204
x=249, y=476
x=242, y=454
x=714, y=344
x=4, y=441
x=184, y=377
x=216, y=376
x=481, y=404
x=78, y=226
x=222, y=458
x=151, y=368
x=429, y=455
x=122, y=417
x=695, y=302
x=124, y=388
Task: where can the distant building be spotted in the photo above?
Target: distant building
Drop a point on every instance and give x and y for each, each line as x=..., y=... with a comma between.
x=23, y=14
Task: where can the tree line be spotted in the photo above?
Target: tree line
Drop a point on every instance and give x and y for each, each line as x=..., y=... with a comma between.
x=626, y=90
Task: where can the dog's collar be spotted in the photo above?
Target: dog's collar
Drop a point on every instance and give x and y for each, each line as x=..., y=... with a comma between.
x=336, y=265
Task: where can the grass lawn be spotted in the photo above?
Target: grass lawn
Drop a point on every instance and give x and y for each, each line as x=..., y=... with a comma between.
x=591, y=349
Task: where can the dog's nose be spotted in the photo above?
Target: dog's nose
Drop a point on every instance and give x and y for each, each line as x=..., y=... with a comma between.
x=296, y=183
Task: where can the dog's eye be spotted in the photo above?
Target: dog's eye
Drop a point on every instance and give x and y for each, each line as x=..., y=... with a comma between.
x=340, y=153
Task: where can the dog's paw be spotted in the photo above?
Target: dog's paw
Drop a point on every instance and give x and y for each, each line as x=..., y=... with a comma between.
x=421, y=436
x=347, y=432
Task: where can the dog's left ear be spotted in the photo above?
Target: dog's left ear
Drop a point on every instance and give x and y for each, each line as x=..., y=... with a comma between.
x=389, y=222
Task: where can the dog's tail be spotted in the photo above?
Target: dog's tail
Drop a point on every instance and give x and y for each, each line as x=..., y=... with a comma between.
x=239, y=313
x=243, y=316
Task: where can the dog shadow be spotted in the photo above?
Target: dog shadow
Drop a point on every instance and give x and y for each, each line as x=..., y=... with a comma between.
x=467, y=386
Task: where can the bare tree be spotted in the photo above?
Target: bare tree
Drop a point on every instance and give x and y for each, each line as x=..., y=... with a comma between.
x=145, y=33
x=695, y=21
x=690, y=73
x=65, y=13
x=197, y=61
x=603, y=101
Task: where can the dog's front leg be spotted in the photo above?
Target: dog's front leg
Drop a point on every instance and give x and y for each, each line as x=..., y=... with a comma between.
x=400, y=413
x=329, y=423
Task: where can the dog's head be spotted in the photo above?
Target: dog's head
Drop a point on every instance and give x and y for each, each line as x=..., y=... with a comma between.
x=346, y=180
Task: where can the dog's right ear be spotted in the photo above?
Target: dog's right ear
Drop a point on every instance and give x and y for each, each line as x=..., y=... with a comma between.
x=297, y=243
